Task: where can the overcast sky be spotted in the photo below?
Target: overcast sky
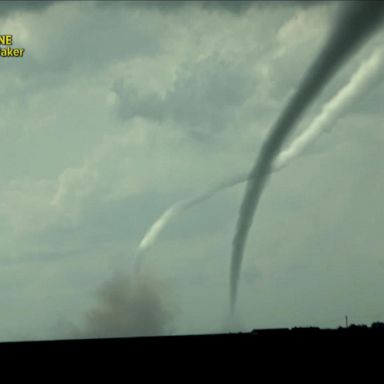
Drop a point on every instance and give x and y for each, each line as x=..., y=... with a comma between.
x=118, y=110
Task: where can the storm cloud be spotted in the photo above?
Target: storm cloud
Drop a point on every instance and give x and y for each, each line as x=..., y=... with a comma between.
x=8, y=8
x=202, y=102
x=118, y=110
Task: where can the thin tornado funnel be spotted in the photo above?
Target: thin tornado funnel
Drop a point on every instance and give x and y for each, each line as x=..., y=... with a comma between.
x=353, y=26
x=154, y=231
x=367, y=71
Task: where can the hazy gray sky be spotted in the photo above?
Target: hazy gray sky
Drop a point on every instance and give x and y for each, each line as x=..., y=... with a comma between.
x=118, y=110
